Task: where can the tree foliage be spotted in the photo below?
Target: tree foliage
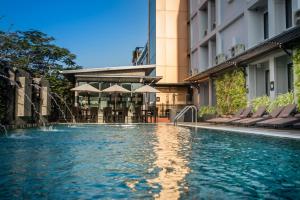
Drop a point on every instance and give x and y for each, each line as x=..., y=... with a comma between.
x=36, y=53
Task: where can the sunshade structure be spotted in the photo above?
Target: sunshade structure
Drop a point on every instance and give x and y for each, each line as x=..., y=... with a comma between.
x=115, y=89
x=86, y=88
x=146, y=89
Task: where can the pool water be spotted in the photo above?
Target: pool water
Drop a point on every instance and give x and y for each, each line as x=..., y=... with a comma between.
x=146, y=162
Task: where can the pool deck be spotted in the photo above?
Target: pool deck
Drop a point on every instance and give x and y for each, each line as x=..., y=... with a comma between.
x=284, y=133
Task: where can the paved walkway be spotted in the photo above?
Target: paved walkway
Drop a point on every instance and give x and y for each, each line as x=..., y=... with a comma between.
x=286, y=133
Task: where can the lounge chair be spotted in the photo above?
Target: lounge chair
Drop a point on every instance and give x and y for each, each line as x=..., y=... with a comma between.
x=285, y=118
x=297, y=125
x=252, y=121
x=243, y=113
x=254, y=118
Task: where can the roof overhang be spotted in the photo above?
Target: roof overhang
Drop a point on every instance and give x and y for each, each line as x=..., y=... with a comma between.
x=110, y=69
x=285, y=40
x=118, y=78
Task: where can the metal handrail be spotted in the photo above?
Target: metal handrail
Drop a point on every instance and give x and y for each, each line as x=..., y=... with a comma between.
x=183, y=111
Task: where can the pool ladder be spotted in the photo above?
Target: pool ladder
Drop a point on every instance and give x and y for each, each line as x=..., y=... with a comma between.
x=184, y=110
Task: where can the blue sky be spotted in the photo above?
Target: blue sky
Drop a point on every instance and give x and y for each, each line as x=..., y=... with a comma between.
x=100, y=32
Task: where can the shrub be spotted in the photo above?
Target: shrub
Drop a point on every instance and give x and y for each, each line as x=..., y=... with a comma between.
x=260, y=101
x=231, y=92
x=206, y=110
x=282, y=100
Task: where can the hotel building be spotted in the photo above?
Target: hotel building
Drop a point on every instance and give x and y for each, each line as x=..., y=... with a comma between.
x=168, y=50
x=258, y=36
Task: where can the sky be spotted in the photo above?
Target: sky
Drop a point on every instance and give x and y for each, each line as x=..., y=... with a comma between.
x=101, y=33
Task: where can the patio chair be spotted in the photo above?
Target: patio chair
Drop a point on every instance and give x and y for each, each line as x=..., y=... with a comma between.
x=138, y=115
x=93, y=115
x=107, y=115
x=284, y=119
x=258, y=118
x=241, y=114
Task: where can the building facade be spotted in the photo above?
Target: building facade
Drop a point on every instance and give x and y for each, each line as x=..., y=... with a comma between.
x=257, y=35
x=168, y=50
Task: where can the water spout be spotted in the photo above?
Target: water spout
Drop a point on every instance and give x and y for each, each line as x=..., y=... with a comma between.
x=4, y=128
x=55, y=102
x=68, y=108
x=28, y=98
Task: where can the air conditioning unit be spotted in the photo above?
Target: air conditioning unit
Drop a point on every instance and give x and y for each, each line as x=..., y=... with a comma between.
x=194, y=71
x=214, y=25
x=232, y=51
x=221, y=58
x=239, y=48
x=297, y=18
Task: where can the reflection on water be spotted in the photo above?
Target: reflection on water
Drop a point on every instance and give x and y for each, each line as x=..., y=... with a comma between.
x=170, y=159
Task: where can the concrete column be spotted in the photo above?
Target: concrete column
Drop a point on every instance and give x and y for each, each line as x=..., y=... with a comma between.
x=76, y=95
x=210, y=63
x=218, y=12
x=209, y=16
x=251, y=81
x=210, y=92
x=272, y=68
x=218, y=43
x=272, y=22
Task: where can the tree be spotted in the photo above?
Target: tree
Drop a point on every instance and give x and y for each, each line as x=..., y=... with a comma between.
x=35, y=52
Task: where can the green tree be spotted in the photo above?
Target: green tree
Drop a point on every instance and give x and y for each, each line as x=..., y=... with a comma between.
x=36, y=53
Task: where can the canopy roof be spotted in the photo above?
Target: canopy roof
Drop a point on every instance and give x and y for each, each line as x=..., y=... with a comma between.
x=85, y=88
x=146, y=89
x=116, y=89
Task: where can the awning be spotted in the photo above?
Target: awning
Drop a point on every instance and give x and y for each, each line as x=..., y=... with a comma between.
x=285, y=40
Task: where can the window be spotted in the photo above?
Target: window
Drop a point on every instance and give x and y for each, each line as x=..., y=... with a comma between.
x=290, y=77
x=267, y=82
x=266, y=25
x=288, y=13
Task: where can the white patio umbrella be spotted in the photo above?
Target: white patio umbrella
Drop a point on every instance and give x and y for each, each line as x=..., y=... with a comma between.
x=146, y=89
x=115, y=89
x=86, y=88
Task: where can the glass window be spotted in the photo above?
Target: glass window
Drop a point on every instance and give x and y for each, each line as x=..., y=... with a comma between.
x=266, y=25
x=288, y=13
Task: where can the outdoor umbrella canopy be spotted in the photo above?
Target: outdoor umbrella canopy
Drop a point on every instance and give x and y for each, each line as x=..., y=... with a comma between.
x=86, y=88
x=115, y=89
x=146, y=89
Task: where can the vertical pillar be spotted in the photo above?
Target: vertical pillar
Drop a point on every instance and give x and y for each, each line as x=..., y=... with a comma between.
x=76, y=95
x=210, y=62
x=209, y=20
x=272, y=69
x=271, y=16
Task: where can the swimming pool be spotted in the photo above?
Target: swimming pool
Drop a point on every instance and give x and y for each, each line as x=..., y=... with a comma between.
x=146, y=162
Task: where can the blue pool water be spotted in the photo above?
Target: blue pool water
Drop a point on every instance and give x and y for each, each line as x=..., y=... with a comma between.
x=146, y=162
